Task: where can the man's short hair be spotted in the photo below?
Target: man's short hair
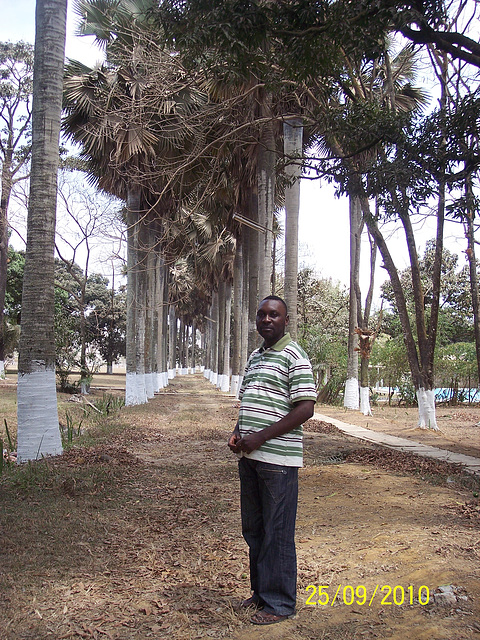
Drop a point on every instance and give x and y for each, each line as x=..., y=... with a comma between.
x=272, y=297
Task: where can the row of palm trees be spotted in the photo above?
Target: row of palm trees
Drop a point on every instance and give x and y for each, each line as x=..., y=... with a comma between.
x=186, y=154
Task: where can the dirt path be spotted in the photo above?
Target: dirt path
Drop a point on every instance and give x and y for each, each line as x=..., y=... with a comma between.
x=149, y=546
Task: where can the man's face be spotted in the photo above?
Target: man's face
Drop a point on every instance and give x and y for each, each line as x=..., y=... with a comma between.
x=271, y=321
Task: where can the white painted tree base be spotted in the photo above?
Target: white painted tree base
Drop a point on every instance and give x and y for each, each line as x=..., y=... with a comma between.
x=235, y=386
x=351, y=396
x=365, y=401
x=2, y=370
x=131, y=397
x=149, y=390
x=225, y=383
x=141, y=388
x=38, y=431
x=426, y=409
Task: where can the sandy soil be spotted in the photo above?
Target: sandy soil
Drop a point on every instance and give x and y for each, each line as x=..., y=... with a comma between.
x=153, y=548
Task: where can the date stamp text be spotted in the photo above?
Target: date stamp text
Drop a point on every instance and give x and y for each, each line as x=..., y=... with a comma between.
x=324, y=595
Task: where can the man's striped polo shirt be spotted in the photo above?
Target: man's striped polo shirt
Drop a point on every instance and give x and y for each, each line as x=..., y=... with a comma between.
x=275, y=379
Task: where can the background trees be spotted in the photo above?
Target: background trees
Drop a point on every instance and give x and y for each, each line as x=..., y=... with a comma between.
x=16, y=76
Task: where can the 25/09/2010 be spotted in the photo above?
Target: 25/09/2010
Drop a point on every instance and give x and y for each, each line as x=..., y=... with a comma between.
x=359, y=595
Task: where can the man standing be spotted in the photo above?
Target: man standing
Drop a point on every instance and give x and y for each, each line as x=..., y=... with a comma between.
x=277, y=396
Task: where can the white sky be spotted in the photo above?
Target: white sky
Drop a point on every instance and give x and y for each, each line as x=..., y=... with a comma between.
x=323, y=233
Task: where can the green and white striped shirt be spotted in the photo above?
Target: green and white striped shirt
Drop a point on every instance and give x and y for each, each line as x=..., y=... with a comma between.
x=275, y=379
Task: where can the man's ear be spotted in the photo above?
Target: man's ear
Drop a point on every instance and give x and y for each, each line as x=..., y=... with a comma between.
x=287, y=320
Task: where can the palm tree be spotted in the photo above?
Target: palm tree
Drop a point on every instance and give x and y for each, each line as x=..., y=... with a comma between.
x=293, y=139
x=38, y=427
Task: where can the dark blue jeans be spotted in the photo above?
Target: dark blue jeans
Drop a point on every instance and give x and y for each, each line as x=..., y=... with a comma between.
x=269, y=495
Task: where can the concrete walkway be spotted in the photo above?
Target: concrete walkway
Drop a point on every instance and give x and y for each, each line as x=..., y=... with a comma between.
x=471, y=464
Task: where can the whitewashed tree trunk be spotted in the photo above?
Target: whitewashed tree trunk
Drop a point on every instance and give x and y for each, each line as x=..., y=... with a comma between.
x=133, y=206
x=140, y=310
x=221, y=331
x=226, y=348
x=206, y=344
x=193, y=355
x=214, y=340
x=351, y=398
x=172, y=342
x=150, y=314
x=238, y=283
x=365, y=401
x=157, y=328
x=292, y=145
x=163, y=321
x=426, y=409
x=38, y=427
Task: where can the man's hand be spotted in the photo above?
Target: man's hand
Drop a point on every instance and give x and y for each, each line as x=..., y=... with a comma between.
x=249, y=443
x=233, y=442
x=234, y=439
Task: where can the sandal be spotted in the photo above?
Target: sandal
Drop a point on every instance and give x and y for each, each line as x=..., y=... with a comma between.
x=262, y=617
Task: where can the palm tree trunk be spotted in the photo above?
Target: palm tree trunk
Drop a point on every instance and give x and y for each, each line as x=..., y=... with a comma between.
x=160, y=321
x=221, y=330
x=266, y=195
x=252, y=261
x=172, y=342
x=140, y=309
x=38, y=428
x=194, y=347
x=181, y=346
x=133, y=207
x=237, y=317
x=164, y=328
x=149, y=316
x=351, y=396
x=226, y=337
x=215, y=315
x=292, y=144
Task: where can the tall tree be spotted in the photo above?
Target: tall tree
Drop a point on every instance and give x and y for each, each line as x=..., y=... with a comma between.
x=374, y=93
x=38, y=427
